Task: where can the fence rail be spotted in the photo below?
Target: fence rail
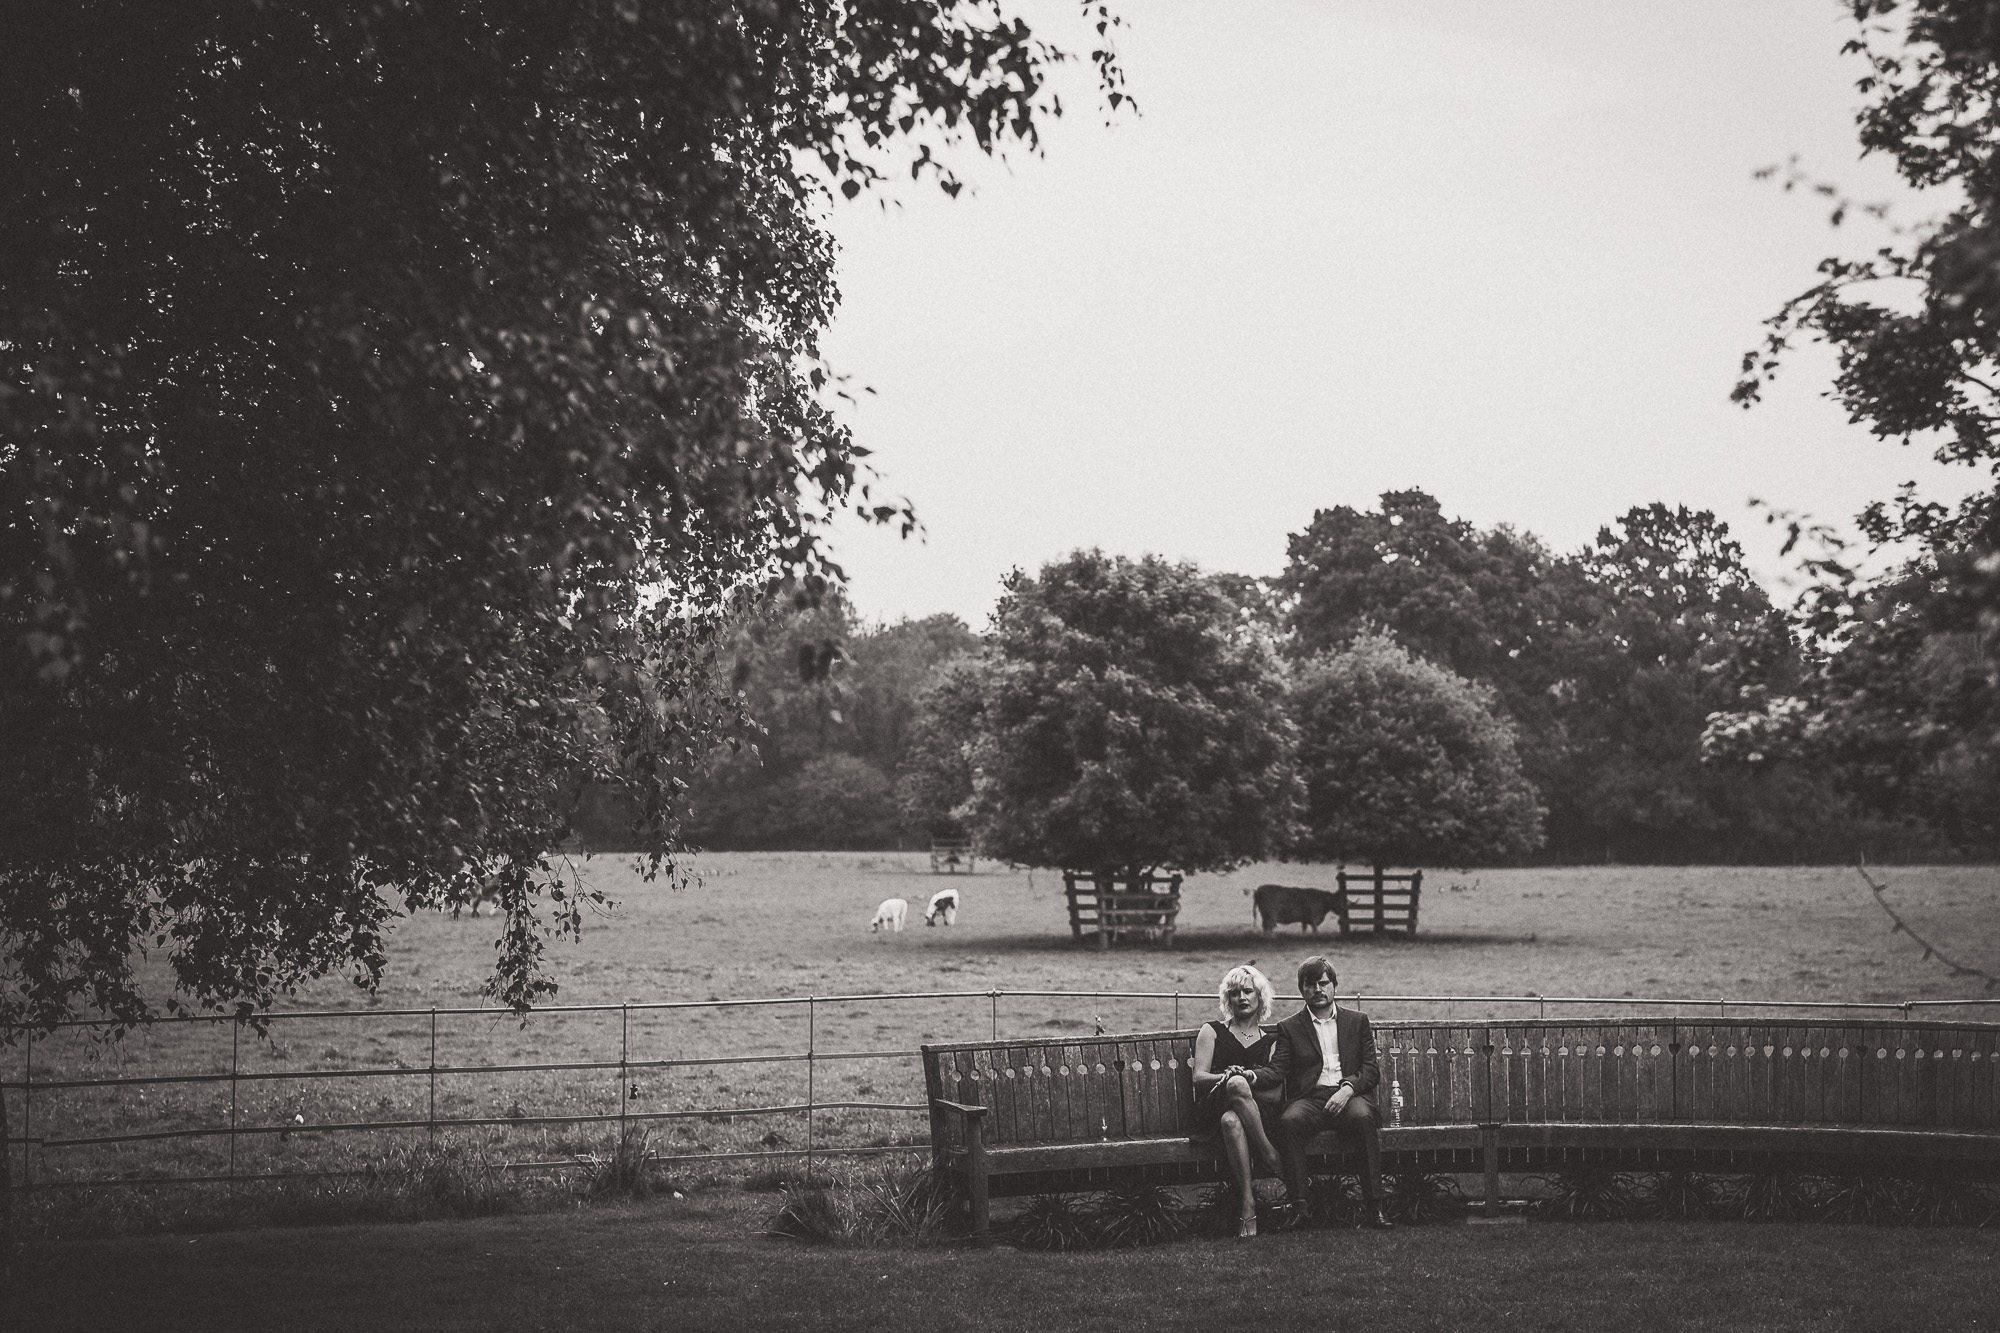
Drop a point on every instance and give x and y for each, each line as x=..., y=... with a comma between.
x=40, y=1137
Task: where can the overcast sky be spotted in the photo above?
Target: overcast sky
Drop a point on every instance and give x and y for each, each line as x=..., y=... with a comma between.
x=1509, y=253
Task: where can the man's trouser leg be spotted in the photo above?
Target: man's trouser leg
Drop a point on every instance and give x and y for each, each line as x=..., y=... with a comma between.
x=1297, y=1124
x=1359, y=1122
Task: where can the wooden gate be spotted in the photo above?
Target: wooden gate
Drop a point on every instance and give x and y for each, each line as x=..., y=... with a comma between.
x=1112, y=908
x=1380, y=902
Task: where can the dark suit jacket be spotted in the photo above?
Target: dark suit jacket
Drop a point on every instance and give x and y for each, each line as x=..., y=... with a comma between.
x=1295, y=1054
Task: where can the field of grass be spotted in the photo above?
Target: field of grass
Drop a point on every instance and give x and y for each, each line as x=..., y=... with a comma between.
x=785, y=926
x=686, y=1266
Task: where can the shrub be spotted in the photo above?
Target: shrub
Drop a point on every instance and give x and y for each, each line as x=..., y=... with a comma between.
x=1952, y=1203
x=1332, y=1201
x=627, y=1171
x=1681, y=1196
x=1051, y=1222
x=1876, y=1200
x=1407, y=763
x=1138, y=1215
x=1418, y=1196
x=1776, y=1196
x=1588, y=1193
x=865, y=1208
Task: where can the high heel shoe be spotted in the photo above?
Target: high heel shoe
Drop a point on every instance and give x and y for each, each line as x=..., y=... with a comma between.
x=1246, y=1226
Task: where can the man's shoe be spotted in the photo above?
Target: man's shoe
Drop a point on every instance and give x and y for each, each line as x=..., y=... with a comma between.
x=1373, y=1219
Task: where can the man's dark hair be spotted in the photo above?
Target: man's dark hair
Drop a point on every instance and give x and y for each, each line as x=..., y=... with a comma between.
x=1314, y=967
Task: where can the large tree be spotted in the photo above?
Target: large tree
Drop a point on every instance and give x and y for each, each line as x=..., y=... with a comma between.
x=1407, y=762
x=1903, y=703
x=1915, y=329
x=1680, y=631
x=815, y=685
x=393, y=394
x=1130, y=720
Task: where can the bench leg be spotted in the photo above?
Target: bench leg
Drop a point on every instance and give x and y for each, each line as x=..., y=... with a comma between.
x=975, y=1179
x=1489, y=1142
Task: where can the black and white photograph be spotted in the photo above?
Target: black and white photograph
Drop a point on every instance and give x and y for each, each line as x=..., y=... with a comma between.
x=908, y=665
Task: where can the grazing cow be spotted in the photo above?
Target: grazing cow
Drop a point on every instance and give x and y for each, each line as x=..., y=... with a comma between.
x=889, y=916
x=1280, y=904
x=943, y=907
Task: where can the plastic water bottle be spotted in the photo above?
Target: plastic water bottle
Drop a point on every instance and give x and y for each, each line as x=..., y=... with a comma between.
x=1395, y=1101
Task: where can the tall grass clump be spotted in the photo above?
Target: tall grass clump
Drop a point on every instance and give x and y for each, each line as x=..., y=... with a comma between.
x=1417, y=1196
x=1873, y=1200
x=1952, y=1203
x=1681, y=1196
x=1777, y=1196
x=866, y=1207
x=626, y=1172
x=412, y=1183
x=1138, y=1215
x=1588, y=1193
x=1051, y=1222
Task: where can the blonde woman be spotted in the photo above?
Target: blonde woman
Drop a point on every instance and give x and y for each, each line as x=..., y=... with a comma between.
x=1232, y=1060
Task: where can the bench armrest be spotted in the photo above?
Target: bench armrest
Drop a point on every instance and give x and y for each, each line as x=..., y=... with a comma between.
x=960, y=1107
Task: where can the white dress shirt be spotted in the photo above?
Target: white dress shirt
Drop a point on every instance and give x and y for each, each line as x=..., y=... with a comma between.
x=1329, y=1051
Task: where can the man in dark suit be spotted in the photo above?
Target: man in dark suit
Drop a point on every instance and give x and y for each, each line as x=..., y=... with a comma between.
x=1326, y=1057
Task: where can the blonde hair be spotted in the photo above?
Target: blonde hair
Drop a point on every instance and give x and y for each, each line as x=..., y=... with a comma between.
x=1266, y=997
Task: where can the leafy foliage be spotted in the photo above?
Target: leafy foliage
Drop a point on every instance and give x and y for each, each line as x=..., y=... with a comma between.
x=1608, y=662
x=1417, y=1196
x=1589, y=1193
x=833, y=708
x=1915, y=329
x=1052, y=1222
x=1777, y=1196
x=934, y=788
x=394, y=396
x=1406, y=763
x=1877, y=1200
x=864, y=1207
x=1682, y=1196
x=1130, y=720
x=1138, y=1215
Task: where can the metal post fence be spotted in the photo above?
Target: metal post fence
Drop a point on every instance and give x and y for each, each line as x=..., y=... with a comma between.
x=812, y=1041
x=431, y=1115
x=28, y=1113
x=235, y=1046
x=122, y=1126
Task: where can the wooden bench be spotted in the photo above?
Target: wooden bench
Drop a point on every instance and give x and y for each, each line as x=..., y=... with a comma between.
x=1905, y=1098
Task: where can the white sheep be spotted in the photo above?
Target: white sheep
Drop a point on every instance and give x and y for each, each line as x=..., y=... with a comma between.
x=943, y=907
x=889, y=916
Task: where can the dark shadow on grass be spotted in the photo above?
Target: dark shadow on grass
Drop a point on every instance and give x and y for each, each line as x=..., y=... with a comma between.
x=1236, y=941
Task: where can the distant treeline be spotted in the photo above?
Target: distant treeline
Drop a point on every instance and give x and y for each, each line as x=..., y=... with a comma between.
x=1647, y=678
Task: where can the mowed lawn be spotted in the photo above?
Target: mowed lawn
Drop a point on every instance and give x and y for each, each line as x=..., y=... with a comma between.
x=698, y=1264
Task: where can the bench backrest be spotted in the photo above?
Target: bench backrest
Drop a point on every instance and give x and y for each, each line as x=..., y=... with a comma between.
x=1942, y=1075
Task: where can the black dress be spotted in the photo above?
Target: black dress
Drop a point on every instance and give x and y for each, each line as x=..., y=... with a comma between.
x=1210, y=1105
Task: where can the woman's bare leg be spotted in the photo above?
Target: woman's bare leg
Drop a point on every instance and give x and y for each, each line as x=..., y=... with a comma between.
x=1244, y=1103
x=1236, y=1152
